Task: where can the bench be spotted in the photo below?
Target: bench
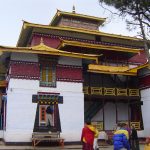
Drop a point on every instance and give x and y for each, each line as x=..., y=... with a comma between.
x=38, y=137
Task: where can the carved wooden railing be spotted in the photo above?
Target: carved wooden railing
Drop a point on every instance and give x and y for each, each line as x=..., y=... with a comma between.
x=122, y=92
x=133, y=92
x=110, y=91
x=136, y=125
x=99, y=125
x=86, y=90
x=96, y=90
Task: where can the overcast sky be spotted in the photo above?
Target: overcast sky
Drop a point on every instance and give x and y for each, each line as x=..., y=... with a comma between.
x=12, y=12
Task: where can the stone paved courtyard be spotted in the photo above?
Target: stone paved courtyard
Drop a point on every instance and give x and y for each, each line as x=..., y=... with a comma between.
x=69, y=147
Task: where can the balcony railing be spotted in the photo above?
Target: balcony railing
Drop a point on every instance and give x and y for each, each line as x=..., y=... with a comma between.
x=95, y=90
x=122, y=92
x=103, y=91
x=136, y=124
x=109, y=91
x=86, y=90
x=133, y=92
x=99, y=125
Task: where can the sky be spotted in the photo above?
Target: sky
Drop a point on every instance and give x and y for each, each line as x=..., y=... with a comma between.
x=12, y=12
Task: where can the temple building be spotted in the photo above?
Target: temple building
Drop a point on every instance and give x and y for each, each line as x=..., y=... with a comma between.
x=63, y=73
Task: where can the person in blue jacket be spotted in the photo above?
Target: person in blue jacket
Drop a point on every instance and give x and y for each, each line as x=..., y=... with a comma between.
x=120, y=138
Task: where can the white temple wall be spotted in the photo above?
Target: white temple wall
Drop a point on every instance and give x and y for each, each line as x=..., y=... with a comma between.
x=20, y=115
x=145, y=97
x=21, y=111
x=72, y=115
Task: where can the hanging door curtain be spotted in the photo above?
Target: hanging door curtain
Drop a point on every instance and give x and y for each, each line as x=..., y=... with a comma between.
x=47, y=99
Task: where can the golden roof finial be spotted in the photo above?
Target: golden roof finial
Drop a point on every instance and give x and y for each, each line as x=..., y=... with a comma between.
x=73, y=9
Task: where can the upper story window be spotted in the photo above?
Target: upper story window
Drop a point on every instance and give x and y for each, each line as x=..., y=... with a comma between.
x=48, y=75
x=48, y=71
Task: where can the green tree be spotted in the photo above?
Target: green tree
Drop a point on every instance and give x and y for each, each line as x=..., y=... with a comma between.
x=139, y=12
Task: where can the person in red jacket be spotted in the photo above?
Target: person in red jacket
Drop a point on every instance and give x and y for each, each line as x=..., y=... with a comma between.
x=89, y=132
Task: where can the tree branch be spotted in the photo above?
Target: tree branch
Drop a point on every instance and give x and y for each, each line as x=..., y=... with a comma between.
x=146, y=23
x=101, y=4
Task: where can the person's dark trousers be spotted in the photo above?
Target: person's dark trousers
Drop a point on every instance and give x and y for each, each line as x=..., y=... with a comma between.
x=135, y=144
x=127, y=147
x=130, y=141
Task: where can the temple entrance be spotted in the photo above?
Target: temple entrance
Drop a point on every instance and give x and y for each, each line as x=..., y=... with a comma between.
x=47, y=118
x=47, y=113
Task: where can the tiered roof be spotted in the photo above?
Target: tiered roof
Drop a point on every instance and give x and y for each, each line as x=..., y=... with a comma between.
x=118, y=44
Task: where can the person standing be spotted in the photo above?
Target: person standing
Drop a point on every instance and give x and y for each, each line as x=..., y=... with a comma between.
x=89, y=132
x=147, y=144
x=49, y=116
x=129, y=131
x=120, y=138
x=134, y=139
